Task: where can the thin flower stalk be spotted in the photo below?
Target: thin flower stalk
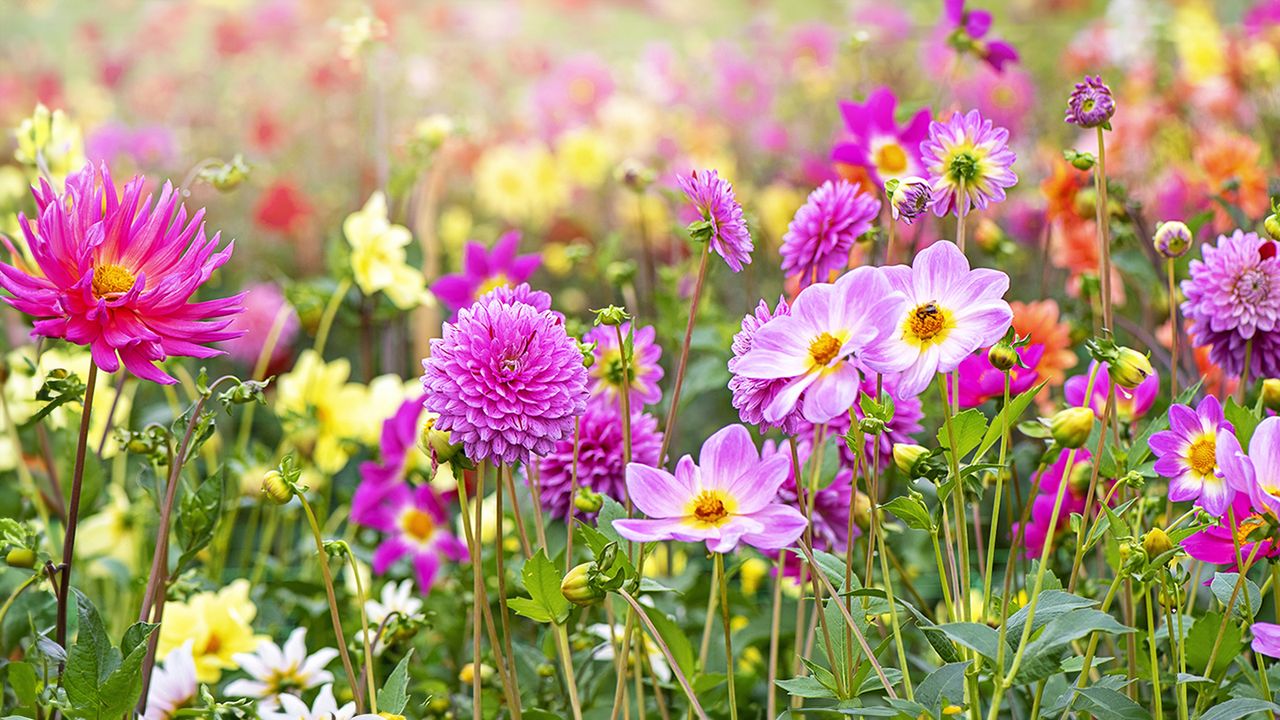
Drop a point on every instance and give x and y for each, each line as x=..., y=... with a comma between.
x=669, y=427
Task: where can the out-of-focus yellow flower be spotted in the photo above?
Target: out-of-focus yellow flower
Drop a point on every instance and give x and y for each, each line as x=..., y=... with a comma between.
x=356, y=35
x=378, y=256
x=383, y=397
x=24, y=382
x=584, y=157
x=110, y=533
x=520, y=183
x=50, y=139
x=777, y=204
x=433, y=130
x=14, y=189
x=1262, y=62
x=650, y=206
x=455, y=227
x=629, y=125
x=556, y=260
x=317, y=407
x=753, y=571
x=218, y=626
x=655, y=563
x=1198, y=39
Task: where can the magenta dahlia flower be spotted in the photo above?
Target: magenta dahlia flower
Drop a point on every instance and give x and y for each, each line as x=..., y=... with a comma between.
x=1257, y=473
x=117, y=274
x=727, y=500
x=483, y=270
x=876, y=142
x=950, y=312
x=1090, y=104
x=833, y=332
x=751, y=395
x=969, y=163
x=969, y=30
x=1130, y=405
x=712, y=196
x=911, y=199
x=644, y=370
x=264, y=306
x=1188, y=455
x=1073, y=502
x=505, y=380
x=1217, y=544
x=414, y=523
x=1233, y=300
x=600, y=466
x=824, y=229
x=396, y=446
x=981, y=381
x=522, y=293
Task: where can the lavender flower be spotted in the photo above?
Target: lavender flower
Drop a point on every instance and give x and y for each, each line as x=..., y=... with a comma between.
x=824, y=229
x=1173, y=239
x=1091, y=104
x=750, y=395
x=1233, y=301
x=722, y=221
x=969, y=163
x=644, y=370
x=1187, y=454
x=910, y=199
x=506, y=380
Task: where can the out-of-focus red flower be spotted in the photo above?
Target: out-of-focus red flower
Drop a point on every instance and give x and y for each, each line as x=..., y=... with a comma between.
x=282, y=208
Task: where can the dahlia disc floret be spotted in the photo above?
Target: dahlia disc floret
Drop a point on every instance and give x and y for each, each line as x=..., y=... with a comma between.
x=1233, y=302
x=969, y=163
x=1187, y=454
x=824, y=229
x=506, y=381
x=712, y=196
x=117, y=274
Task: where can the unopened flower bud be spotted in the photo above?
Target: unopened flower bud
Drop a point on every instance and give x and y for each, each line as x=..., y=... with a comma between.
x=433, y=130
x=438, y=443
x=907, y=455
x=911, y=197
x=1003, y=356
x=1173, y=239
x=546, y=670
x=862, y=511
x=612, y=315
x=21, y=558
x=275, y=488
x=1071, y=427
x=588, y=501
x=1130, y=368
x=1080, y=160
x=620, y=272
x=1271, y=394
x=577, y=586
x=467, y=674
x=1272, y=226
x=871, y=426
x=1156, y=542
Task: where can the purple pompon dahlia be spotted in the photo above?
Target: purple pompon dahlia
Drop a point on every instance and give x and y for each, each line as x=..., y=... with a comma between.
x=1233, y=301
x=483, y=270
x=117, y=274
x=643, y=368
x=600, y=466
x=726, y=230
x=824, y=229
x=831, y=505
x=506, y=381
x=750, y=395
x=969, y=163
x=1090, y=104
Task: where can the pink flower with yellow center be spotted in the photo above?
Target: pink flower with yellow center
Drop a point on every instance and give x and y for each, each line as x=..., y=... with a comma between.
x=1187, y=454
x=727, y=500
x=875, y=141
x=414, y=524
x=969, y=162
x=485, y=270
x=1257, y=473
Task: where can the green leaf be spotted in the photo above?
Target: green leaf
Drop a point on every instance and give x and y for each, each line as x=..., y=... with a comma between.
x=977, y=637
x=536, y=714
x=101, y=682
x=530, y=609
x=122, y=689
x=1224, y=584
x=831, y=566
x=1012, y=411
x=1052, y=604
x=805, y=687
x=611, y=510
x=969, y=426
x=946, y=684
x=394, y=694
x=676, y=639
x=1201, y=638
x=22, y=678
x=1043, y=657
x=1242, y=418
x=1238, y=708
x=1108, y=704
x=911, y=511
x=542, y=580
x=197, y=517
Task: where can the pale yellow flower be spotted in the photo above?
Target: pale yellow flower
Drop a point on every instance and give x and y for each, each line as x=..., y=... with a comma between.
x=26, y=378
x=1199, y=41
x=219, y=625
x=520, y=183
x=378, y=255
x=317, y=406
x=50, y=139
x=456, y=225
x=630, y=125
x=357, y=35
x=777, y=204
x=109, y=534
x=584, y=157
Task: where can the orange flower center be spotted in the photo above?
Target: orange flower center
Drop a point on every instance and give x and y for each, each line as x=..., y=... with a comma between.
x=111, y=280
x=824, y=348
x=891, y=158
x=1246, y=528
x=926, y=322
x=1202, y=455
x=708, y=507
x=417, y=524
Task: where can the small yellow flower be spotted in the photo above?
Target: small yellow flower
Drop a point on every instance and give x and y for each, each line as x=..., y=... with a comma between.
x=584, y=157
x=110, y=534
x=378, y=255
x=218, y=626
x=520, y=183
x=753, y=571
x=777, y=204
x=48, y=139
x=316, y=405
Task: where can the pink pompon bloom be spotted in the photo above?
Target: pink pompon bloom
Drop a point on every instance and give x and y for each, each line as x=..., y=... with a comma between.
x=742, y=92
x=981, y=381
x=1217, y=544
x=414, y=523
x=1187, y=454
x=1037, y=530
x=505, y=380
x=644, y=370
x=1258, y=473
x=599, y=456
x=522, y=293
x=265, y=306
x=750, y=395
x=1233, y=301
x=724, y=227
x=117, y=274
x=824, y=229
x=950, y=312
x=483, y=270
x=729, y=499
x=969, y=163
x=969, y=31
x=874, y=140
x=833, y=331
x=1130, y=405
x=1266, y=639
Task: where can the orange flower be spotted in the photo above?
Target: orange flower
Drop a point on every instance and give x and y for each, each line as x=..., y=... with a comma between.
x=1074, y=247
x=1060, y=190
x=1232, y=165
x=1041, y=321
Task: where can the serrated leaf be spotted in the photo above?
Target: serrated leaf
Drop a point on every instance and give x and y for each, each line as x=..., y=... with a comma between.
x=805, y=687
x=530, y=609
x=1043, y=656
x=911, y=511
x=1201, y=638
x=1108, y=704
x=542, y=580
x=969, y=427
x=977, y=637
x=1237, y=708
x=1242, y=418
x=394, y=694
x=611, y=510
x=1224, y=585
x=946, y=684
x=1052, y=604
x=198, y=516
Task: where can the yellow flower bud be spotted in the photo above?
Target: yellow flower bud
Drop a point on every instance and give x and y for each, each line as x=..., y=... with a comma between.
x=577, y=587
x=906, y=455
x=1071, y=427
x=21, y=558
x=1156, y=542
x=1130, y=368
x=275, y=488
x=1271, y=394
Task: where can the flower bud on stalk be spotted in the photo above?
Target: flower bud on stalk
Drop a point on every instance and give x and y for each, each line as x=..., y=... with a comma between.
x=1003, y=356
x=580, y=587
x=1156, y=543
x=588, y=501
x=1070, y=428
x=1173, y=239
x=275, y=488
x=21, y=558
x=1131, y=368
x=907, y=455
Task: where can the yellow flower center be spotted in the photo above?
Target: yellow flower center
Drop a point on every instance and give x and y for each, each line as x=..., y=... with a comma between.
x=928, y=323
x=711, y=508
x=891, y=159
x=111, y=280
x=582, y=90
x=1246, y=528
x=824, y=349
x=1202, y=455
x=497, y=281
x=417, y=524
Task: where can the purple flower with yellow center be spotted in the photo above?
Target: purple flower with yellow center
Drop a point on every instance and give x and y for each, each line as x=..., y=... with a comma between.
x=643, y=368
x=751, y=395
x=397, y=447
x=969, y=163
x=599, y=456
x=969, y=32
x=1187, y=454
x=1129, y=404
x=824, y=229
x=950, y=311
x=1090, y=104
x=833, y=331
x=1233, y=302
x=483, y=270
x=875, y=141
x=727, y=500
x=722, y=223
x=911, y=198
x=1217, y=544
x=414, y=524
x=505, y=380
x=1258, y=473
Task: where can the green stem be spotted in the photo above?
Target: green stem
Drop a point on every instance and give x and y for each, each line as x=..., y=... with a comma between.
x=670, y=425
x=327, y=575
x=330, y=311
x=728, y=635
x=1152, y=658
x=73, y=509
x=566, y=662
x=364, y=627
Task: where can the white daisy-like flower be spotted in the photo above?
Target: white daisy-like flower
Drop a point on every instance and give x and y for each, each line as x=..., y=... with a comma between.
x=612, y=635
x=276, y=671
x=325, y=707
x=397, y=598
x=173, y=685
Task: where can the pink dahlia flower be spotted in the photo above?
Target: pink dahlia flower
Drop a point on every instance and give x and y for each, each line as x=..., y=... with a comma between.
x=751, y=395
x=729, y=499
x=644, y=370
x=414, y=523
x=712, y=196
x=1217, y=544
x=1258, y=472
x=969, y=163
x=264, y=306
x=506, y=380
x=117, y=274
x=1233, y=300
x=485, y=270
x=875, y=141
x=824, y=229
